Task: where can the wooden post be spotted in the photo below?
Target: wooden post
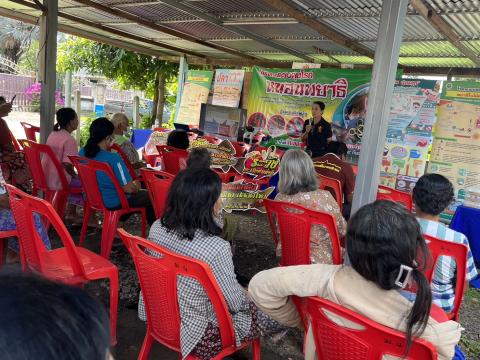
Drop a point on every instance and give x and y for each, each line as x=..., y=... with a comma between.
x=136, y=112
x=77, y=105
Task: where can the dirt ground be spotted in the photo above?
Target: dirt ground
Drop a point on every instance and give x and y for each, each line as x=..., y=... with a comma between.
x=253, y=251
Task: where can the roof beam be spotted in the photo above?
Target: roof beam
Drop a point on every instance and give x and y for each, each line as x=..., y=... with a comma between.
x=152, y=25
x=237, y=29
x=427, y=12
x=321, y=28
x=116, y=31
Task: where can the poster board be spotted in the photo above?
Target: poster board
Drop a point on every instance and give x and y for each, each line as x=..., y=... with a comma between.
x=195, y=93
x=280, y=101
x=223, y=122
x=227, y=87
x=409, y=132
x=244, y=196
x=456, y=145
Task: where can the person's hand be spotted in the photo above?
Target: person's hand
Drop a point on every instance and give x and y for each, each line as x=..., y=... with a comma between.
x=5, y=109
x=132, y=187
x=308, y=128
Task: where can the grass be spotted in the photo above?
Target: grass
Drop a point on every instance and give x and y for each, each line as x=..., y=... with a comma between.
x=470, y=341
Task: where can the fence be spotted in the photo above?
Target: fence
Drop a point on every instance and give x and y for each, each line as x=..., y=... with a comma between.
x=15, y=85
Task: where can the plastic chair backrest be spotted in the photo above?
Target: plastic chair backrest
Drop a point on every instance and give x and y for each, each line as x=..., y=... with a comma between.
x=172, y=158
x=158, y=280
x=328, y=183
x=456, y=251
x=23, y=207
x=31, y=131
x=127, y=162
x=294, y=223
x=367, y=341
x=386, y=193
x=158, y=183
x=15, y=143
x=87, y=170
x=37, y=156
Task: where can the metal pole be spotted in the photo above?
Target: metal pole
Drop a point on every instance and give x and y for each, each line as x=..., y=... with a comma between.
x=136, y=112
x=381, y=88
x=182, y=75
x=68, y=88
x=49, y=43
x=77, y=105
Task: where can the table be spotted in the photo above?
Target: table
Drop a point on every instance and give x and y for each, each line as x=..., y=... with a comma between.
x=467, y=221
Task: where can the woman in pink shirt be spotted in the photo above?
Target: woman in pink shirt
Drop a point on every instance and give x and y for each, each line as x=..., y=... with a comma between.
x=63, y=145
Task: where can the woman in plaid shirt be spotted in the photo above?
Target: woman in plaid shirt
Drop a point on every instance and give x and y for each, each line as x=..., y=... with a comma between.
x=189, y=227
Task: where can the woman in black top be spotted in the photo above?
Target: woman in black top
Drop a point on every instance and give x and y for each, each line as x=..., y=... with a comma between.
x=317, y=132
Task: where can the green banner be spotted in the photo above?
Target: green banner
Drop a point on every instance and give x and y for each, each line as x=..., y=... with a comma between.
x=195, y=92
x=280, y=101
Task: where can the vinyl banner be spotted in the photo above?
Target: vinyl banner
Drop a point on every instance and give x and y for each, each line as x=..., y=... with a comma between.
x=409, y=133
x=456, y=145
x=280, y=101
x=227, y=87
x=195, y=93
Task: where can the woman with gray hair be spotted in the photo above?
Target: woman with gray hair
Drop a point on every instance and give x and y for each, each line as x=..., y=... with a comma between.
x=298, y=184
x=120, y=122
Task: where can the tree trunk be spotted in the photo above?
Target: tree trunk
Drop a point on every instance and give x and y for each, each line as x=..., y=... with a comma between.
x=161, y=98
x=155, y=100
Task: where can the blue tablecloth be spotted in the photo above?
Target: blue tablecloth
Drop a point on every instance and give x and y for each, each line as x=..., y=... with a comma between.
x=467, y=221
x=140, y=137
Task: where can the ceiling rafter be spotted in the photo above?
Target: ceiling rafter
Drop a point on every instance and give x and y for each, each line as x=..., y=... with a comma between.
x=152, y=25
x=439, y=24
x=321, y=28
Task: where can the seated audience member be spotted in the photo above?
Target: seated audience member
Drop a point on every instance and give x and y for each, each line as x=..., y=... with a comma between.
x=333, y=165
x=7, y=223
x=47, y=320
x=199, y=158
x=178, y=139
x=189, y=228
x=384, y=243
x=13, y=160
x=298, y=184
x=63, y=145
x=96, y=148
x=120, y=122
x=431, y=195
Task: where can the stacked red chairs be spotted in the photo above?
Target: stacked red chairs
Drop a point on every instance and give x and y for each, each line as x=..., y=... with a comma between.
x=366, y=341
x=158, y=281
x=386, y=193
x=334, y=186
x=157, y=183
x=31, y=131
x=87, y=170
x=37, y=155
x=69, y=264
x=459, y=253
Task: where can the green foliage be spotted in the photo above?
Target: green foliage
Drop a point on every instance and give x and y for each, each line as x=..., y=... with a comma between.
x=85, y=122
x=29, y=59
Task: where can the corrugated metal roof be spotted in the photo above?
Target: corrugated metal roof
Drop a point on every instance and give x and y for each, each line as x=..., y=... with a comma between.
x=357, y=20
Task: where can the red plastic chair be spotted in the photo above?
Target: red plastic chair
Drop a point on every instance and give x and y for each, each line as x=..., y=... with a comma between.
x=87, y=170
x=332, y=185
x=70, y=264
x=157, y=183
x=386, y=193
x=4, y=236
x=31, y=131
x=127, y=162
x=37, y=155
x=15, y=143
x=459, y=253
x=172, y=158
x=370, y=342
x=158, y=281
x=294, y=227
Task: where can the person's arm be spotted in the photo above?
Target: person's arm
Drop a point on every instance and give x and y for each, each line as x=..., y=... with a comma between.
x=70, y=169
x=223, y=269
x=306, y=130
x=5, y=139
x=123, y=176
x=349, y=183
x=70, y=148
x=271, y=289
x=329, y=133
x=4, y=203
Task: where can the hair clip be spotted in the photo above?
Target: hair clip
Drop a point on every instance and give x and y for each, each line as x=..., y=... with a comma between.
x=406, y=277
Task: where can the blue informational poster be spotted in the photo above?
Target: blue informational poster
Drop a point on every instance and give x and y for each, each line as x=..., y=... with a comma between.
x=99, y=110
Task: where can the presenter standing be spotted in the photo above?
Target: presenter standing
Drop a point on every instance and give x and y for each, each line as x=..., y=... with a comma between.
x=317, y=132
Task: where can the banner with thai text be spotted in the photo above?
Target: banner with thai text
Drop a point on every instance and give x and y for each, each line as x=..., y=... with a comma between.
x=195, y=93
x=227, y=87
x=280, y=101
x=456, y=145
